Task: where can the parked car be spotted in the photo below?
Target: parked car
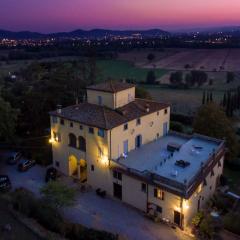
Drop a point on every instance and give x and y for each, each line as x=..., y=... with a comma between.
x=24, y=166
x=5, y=184
x=51, y=174
x=14, y=157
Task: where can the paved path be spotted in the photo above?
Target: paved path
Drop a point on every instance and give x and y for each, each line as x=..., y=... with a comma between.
x=92, y=211
x=114, y=216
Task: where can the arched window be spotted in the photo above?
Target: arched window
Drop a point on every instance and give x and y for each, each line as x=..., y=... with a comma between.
x=72, y=140
x=82, y=143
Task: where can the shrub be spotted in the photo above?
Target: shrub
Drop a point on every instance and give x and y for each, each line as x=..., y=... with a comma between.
x=197, y=219
x=49, y=217
x=23, y=201
x=221, y=202
x=76, y=231
x=176, y=126
x=58, y=194
x=231, y=222
x=206, y=228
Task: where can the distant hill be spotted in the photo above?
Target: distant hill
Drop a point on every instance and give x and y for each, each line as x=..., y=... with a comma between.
x=95, y=33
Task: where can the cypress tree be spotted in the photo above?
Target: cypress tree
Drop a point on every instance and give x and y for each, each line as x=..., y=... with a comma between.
x=204, y=97
x=224, y=102
x=228, y=105
x=208, y=97
x=211, y=97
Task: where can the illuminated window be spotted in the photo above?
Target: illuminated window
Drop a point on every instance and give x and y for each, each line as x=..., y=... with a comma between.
x=158, y=193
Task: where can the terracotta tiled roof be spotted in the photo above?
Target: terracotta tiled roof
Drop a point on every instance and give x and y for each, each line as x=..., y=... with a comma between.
x=106, y=118
x=111, y=86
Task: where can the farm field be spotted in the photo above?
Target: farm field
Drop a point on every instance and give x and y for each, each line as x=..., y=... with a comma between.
x=182, y=101
x=122, y=69
x=177, y=59
x=134, y=65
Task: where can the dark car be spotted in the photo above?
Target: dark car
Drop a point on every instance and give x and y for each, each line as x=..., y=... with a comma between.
x=5, y=184
x=14, y=157
x=51, y=174
x=24, y=166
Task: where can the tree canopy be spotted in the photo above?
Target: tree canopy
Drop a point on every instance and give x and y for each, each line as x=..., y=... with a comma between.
x=151, y=77
x=8, y=118
x=143, y=93
x=212, y=121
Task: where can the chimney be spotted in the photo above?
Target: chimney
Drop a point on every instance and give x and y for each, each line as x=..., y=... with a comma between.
x=59, y=108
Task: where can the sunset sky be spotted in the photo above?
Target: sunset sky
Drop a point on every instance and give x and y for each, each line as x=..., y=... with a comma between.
x=67, y=15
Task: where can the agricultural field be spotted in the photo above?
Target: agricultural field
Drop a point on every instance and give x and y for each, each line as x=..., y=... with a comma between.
x=183, y=101
x=135, y=65
x=122, y=69
x=177, y=59
x=216, y=62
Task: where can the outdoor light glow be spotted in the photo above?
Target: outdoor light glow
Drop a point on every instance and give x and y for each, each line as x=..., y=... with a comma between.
x=186, y=204
x=104, y=160
x=51, y=140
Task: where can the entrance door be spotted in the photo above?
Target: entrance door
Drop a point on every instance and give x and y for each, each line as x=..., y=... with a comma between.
x=125, y=147
x=117, y=191
x=72, y=162
x=138, y=141
x=83, y=170
x=165, y=129
x=177, y=218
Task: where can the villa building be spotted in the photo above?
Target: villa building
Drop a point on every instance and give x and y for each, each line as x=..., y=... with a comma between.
x=123, y=145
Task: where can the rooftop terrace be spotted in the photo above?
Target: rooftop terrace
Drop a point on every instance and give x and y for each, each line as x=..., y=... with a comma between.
x=156, y=158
